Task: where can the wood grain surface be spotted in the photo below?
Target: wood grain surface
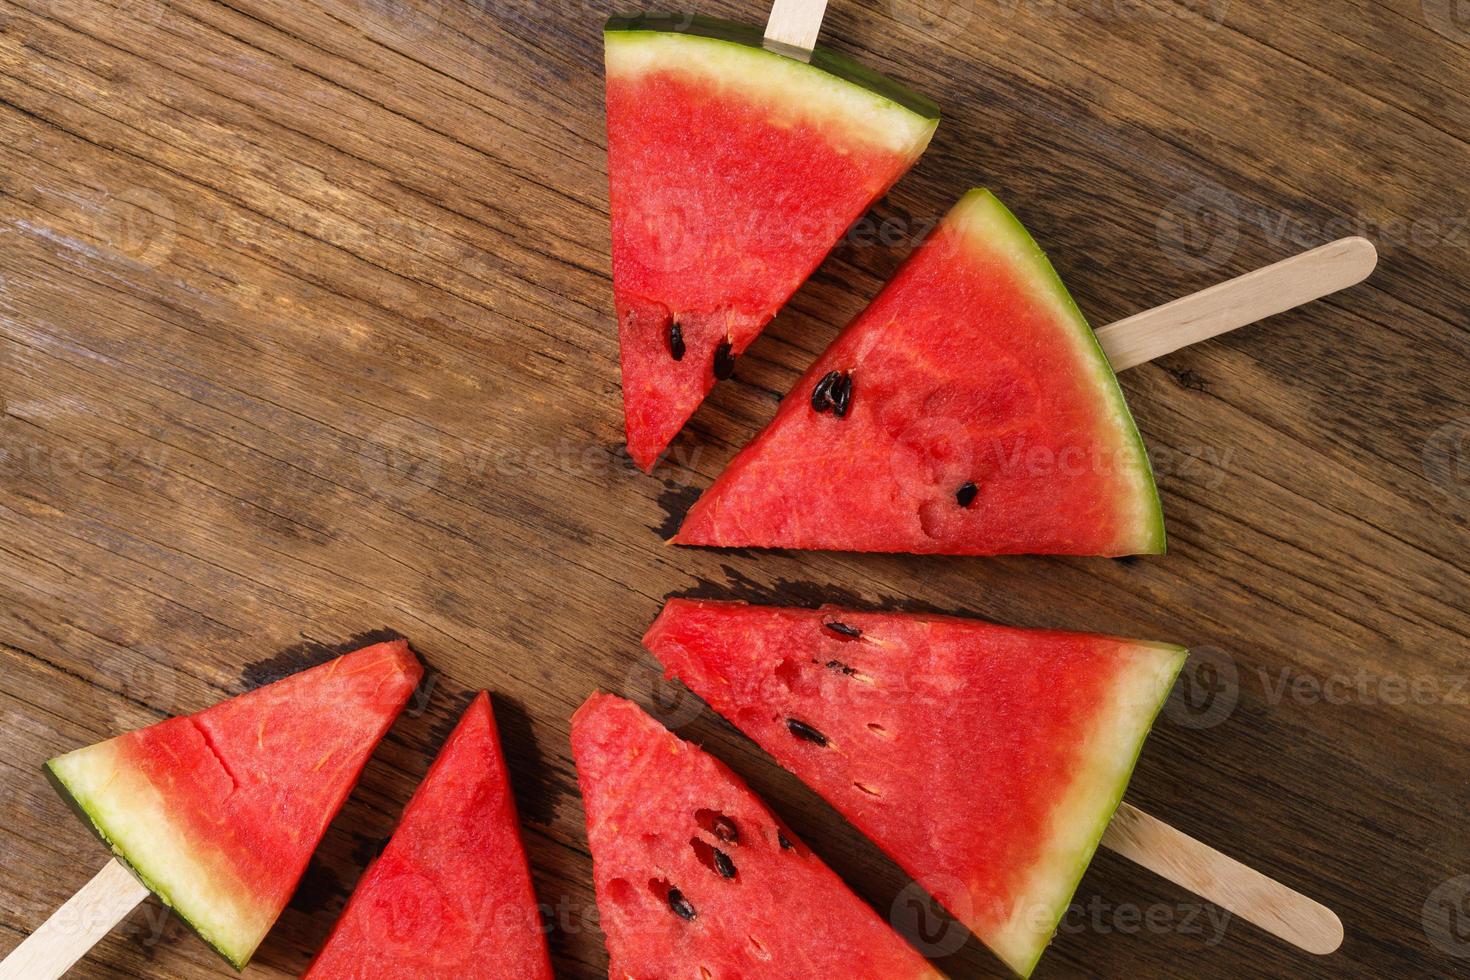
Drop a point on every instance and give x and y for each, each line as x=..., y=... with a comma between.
x=306, y=333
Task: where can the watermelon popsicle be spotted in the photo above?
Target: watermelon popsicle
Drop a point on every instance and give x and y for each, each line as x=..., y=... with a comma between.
x=451, y=895
x=734, y=166
x=217, y=813
x=971, y=409
x=987, y=761
x=695, y=877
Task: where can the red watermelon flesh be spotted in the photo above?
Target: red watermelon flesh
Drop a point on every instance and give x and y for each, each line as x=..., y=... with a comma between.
x=987, y=761
x=978, y=416
x=451, y=895
x=732, y=172
x=696, y=878
x=219, y=812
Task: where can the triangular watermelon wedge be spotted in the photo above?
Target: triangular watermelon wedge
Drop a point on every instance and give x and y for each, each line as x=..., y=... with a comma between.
x=451, y=895
x=986, y=761
x=732, y=172
x=969, y=410
x=695, y=877
x=219, y=812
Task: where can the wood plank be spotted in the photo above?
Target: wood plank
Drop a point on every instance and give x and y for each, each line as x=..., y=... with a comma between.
x=305, y=332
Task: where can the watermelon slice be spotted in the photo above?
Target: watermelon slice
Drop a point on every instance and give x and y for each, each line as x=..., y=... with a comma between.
x=732, y=171
x=986, y=761
x=696, y=878
x=219, y=812
x=451, y=895
x=968, y=410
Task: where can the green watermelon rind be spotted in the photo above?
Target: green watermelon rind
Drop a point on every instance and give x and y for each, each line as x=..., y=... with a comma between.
x=746, y=36
x=58, y=782
x=1153, y=539
x=1024, y=970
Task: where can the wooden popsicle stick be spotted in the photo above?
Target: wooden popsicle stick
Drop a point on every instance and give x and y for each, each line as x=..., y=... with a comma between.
x=794, y=25
x=1237, y=302
x=77, y=926
x=1226, y=882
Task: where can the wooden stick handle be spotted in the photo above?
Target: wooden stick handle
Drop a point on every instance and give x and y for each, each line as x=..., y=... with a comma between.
x=76, y=927
x=794, y=25
x=1238, y=302
x=1223, y=880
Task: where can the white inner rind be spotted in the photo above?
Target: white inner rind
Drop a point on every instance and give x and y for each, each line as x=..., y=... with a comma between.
x=995, y=231
x=133, y=817
x=790, y=90
x=1077, y=823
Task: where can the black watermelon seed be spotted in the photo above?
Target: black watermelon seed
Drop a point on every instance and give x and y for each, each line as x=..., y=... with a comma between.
x=786, y=845
x=804, y=731
x=676, y=340
x=842, y=629
x=842, y=396
x=681, y=905
x=724, y=361
x=965, y=495
x=723, y=864
x=822, y=393
x=841, y=667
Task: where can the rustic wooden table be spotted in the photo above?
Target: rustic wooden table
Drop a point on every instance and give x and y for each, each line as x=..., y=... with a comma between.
x=306, y=332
